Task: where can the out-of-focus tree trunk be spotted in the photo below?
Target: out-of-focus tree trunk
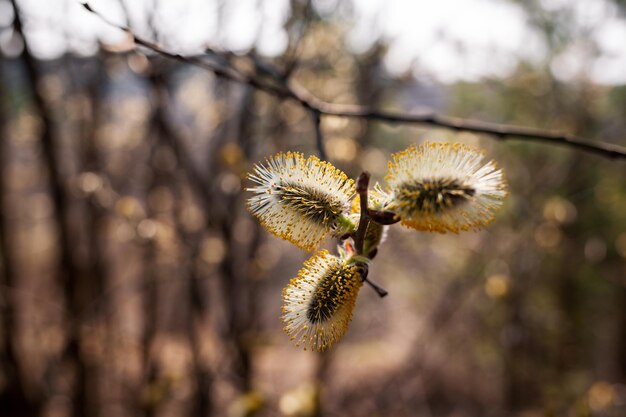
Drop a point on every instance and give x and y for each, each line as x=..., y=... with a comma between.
x=150, y=397
x=234, y=280
x=70, y=272
x=97, y=313
x=201, y=399
x=15, y=399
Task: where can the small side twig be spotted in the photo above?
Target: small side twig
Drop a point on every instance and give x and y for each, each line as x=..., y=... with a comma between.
x=384, y=217
x=379, y=290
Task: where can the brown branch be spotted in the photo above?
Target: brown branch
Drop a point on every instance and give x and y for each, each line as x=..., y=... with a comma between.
x=499, y=131
x=289, y=89
x=362, y=184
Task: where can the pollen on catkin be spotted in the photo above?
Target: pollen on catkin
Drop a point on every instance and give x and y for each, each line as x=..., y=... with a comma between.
x=301, y=200
x=318, y=303
x=439, y=187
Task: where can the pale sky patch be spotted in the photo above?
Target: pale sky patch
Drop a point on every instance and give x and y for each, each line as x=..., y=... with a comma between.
x=447, y=40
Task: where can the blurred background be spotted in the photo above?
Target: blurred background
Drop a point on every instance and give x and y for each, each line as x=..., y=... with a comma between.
x=135, y=283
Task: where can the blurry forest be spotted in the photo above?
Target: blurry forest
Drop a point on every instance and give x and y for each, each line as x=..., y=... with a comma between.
x=135, y=283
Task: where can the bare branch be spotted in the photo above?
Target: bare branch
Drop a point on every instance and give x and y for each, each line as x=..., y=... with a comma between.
x=499, y=131
x=229, y=73
x=289, y=89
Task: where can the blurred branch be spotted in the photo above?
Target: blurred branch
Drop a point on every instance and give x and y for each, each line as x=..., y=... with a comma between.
x=289, y=89
x=176, y=143
x=237, y=283
x=319, y=136
x=293, y=48
x=197, y=305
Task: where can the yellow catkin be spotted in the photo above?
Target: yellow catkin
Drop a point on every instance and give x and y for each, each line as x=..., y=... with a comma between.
x=300, y=199
x=438, y=187
x=318, y=303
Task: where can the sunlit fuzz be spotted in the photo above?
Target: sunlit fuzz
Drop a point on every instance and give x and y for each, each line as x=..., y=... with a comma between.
x=376, y=196
x=441, y=187
x=300, y=199
x=318, y=303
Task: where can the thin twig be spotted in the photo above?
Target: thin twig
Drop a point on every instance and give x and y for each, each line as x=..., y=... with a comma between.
x=229, y=73
x=289, y=89
x=379, y=290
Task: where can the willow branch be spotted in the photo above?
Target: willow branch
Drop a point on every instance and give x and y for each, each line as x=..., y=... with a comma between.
x=362, y=184
x=284, y=88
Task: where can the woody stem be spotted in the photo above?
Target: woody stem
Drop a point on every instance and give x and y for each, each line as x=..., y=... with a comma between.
x=362, y=185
